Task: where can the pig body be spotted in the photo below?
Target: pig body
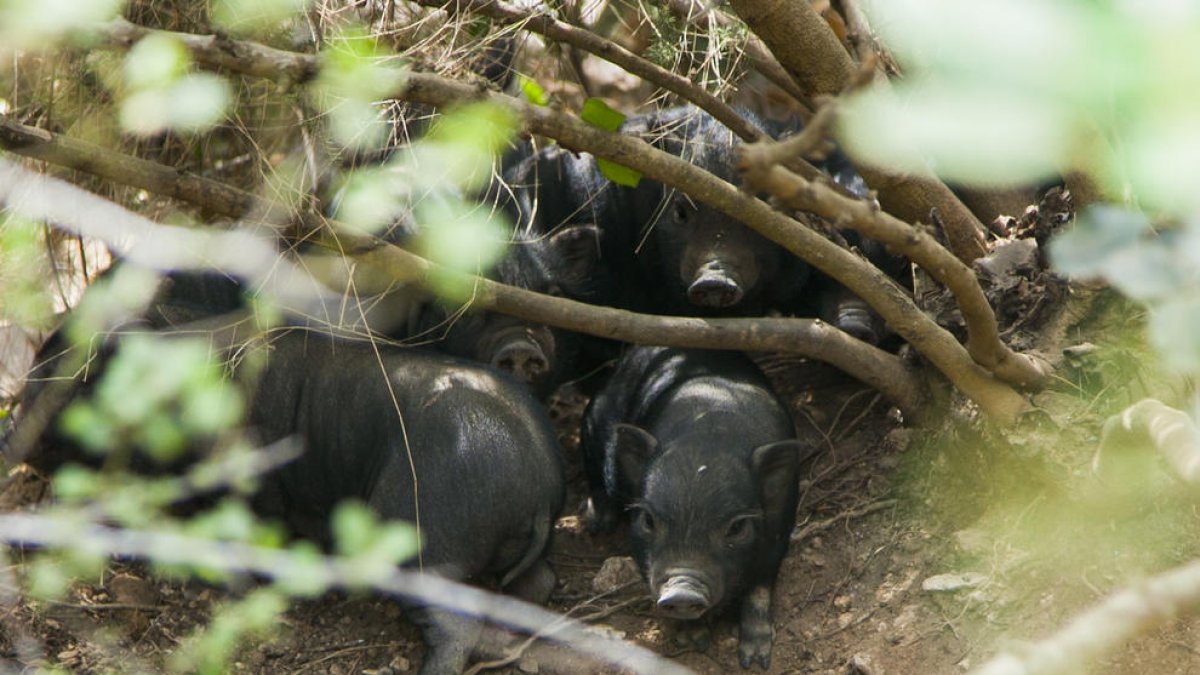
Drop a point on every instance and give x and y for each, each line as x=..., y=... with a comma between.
x=460, y=449
x=705, y=457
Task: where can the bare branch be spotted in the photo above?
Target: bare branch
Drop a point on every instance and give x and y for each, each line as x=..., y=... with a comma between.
x=1099, y=630
x=810, y=338
x=172, y=548
x=866, y=281
x=862, y=278
x=1170, y=432
x=249, y=58
x=983, y=337
x=816, y=59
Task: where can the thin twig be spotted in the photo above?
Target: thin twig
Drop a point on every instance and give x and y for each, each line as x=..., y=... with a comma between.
x=545, y=25
x=822, y=525
x=173, y=548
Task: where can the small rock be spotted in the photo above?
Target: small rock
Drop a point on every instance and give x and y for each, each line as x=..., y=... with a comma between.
x=399, y=664
x=1008, y=259
x=528, y=664
x=897, y=440
x=945, y=583
x=130, y=590
x=863, y=664
x=616, y=572
x=892, y=587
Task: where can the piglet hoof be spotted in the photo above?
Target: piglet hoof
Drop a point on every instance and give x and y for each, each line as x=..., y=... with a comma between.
x=754, y=644
x=693, y=635
x=756, y=635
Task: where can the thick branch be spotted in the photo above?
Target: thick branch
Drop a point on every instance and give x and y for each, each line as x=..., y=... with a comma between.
x=697, y=14
x=816, y=59
x=608, y=50
x=983, y=337
x=1097, y=631
x=249, y=58
x=996, y=398
x=865, y=280
x=809, y=338
x=1170, y=432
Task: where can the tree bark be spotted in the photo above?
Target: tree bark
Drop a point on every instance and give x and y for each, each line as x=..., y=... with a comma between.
x=805, y=46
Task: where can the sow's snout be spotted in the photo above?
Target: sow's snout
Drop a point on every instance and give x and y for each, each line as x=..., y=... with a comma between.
x=684, y=596
x=525, y=353
x=715, y=286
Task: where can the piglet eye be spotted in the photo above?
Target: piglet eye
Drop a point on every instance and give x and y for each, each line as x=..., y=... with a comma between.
x=738, y=530
x=645, y=521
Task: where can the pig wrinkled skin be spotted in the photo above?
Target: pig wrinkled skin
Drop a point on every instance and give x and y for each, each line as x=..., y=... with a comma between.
x=485, y=461
x=705, y=457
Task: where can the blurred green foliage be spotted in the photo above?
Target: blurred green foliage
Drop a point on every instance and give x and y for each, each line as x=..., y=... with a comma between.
x=1021, y=91
x=161, y=92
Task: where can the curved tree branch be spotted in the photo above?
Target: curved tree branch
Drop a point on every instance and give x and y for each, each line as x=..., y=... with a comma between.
x=816, y=59
x=1118, y=618
x=810, y=338
x=862, y=278
x=983, y=337
x=1170, y=432
x=866, y=281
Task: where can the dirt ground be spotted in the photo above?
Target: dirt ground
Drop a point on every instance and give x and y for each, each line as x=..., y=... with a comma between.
x=917, y=551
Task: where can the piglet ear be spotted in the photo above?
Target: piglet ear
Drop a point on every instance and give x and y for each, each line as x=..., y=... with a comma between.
x=777, y=467
x=631, y=450
x=578, y=247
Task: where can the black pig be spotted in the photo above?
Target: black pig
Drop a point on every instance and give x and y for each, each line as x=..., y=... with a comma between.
x=699, y=259
x=485, y=476
x=701, y=451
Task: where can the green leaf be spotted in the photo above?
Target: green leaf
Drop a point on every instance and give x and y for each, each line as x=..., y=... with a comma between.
x=621, y=175
x=307, y=575
x=598, y=114
x=242, y=16
x=156, y=62
x=34, y=25
x=1174, y=329
x=462, y=238
x=73, y=483
x=353, y=527
x=46, y=578
x=974, y=135
x=485, y=126
x=533, y=92
x=1099, y=233
x=1145, y=271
